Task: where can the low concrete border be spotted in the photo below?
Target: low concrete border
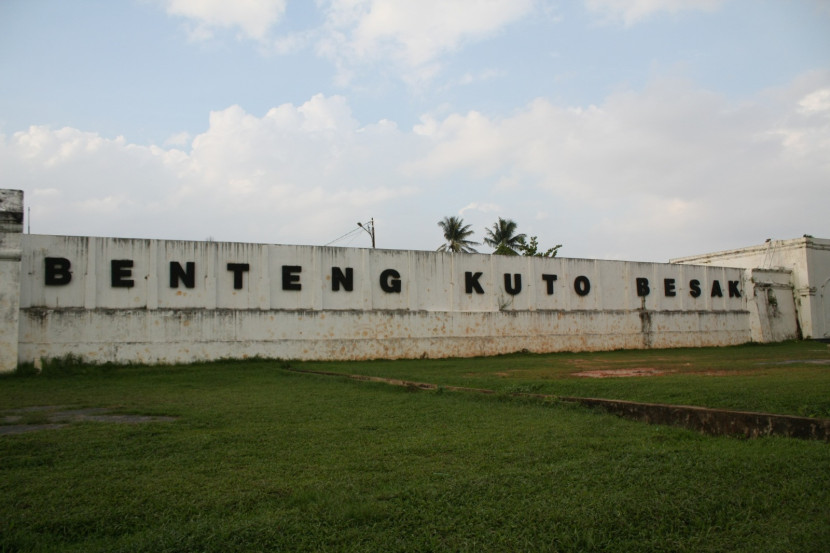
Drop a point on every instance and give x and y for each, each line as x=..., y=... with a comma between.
x=713, y=422
x=716, y=422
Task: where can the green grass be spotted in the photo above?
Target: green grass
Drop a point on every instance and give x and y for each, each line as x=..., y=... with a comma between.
x=261, y=459
x=774, y=378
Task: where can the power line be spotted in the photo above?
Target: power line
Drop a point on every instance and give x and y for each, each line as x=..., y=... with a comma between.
x=354, y=230
x=369, y=227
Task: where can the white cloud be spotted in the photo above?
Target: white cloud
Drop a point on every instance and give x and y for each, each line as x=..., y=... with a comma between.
x=633, y=11
x=816, y=102
x=407, y=37
x=292, y=42
x=666, y=164
x=253, y=18
x=473, y=78
x=648, y=174
x=462, y=141
x=298, y=174
x=482, y=207
x=179, y=139
x=412, y=35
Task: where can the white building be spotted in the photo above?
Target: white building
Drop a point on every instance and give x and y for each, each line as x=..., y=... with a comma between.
x=808, y=261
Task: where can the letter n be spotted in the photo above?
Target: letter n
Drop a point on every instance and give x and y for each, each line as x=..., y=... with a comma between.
x=338, y=278
x=187, y=275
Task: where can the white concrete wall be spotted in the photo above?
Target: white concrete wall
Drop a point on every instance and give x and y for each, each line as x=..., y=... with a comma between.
x=807, y=258
x=11, y=226
x=773, y=313
x=818, y=270
x=285, y=312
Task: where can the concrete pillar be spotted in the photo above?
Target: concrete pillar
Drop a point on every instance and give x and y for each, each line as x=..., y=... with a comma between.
x=11, y=230
x=773, y=316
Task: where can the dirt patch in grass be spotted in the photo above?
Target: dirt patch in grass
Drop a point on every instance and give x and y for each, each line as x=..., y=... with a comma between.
x=49, y=417
x=23, y=428
x=623, y=373
x=798, y=362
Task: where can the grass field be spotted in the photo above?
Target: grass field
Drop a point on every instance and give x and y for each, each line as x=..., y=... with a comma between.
x=790, y=378
x=258, y=458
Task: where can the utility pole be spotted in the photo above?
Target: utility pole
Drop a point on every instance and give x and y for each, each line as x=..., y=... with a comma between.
x=369, y=228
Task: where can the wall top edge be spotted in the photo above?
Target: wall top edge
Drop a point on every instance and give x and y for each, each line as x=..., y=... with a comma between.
x=218, y=243
x=805, y=242
x=783, y=270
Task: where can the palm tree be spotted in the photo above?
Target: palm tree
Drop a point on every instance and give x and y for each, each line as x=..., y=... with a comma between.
x=503, y=237
x=456, y=233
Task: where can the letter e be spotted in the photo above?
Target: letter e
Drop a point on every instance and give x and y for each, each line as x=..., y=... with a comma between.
x=120, y=271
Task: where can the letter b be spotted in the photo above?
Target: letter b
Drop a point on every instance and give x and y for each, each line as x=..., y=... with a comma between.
x=56, y=270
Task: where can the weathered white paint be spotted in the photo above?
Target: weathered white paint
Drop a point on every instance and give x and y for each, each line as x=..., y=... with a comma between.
x=11, y=225
x=807, y=258
x=773, y=313
x=187, y=335
x=430, y=281
x=432, y=316
x=287, y=306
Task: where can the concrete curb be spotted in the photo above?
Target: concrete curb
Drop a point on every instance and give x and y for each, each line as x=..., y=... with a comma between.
x=713, y=422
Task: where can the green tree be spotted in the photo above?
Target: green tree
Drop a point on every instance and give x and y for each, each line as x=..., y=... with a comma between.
x=503, y=237
x=455, y=234
x=531, y=248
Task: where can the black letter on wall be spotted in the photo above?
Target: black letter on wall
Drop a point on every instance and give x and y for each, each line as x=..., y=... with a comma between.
x=390, y=281
x=57, y=271
x=582, y=285
x=471, y=283
x=238, y=270
x=642, y=287
x=694, y=288
x=716, y=291
x=549, y=280
x=120, y=271
x=187, y=276
x=339, y=279
x=509, y=287
x=733, y=289
x=668, y=286
x=291, y=277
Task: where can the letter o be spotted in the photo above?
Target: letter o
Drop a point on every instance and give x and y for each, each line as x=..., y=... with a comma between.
x=582, y=285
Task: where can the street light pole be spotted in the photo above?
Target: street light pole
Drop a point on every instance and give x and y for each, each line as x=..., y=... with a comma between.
x=370, y=229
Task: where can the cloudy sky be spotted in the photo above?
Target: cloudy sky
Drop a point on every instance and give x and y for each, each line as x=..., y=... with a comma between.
x=622, y=129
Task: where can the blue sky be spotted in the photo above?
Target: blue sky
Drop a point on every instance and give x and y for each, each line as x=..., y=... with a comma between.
x=626, y=129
